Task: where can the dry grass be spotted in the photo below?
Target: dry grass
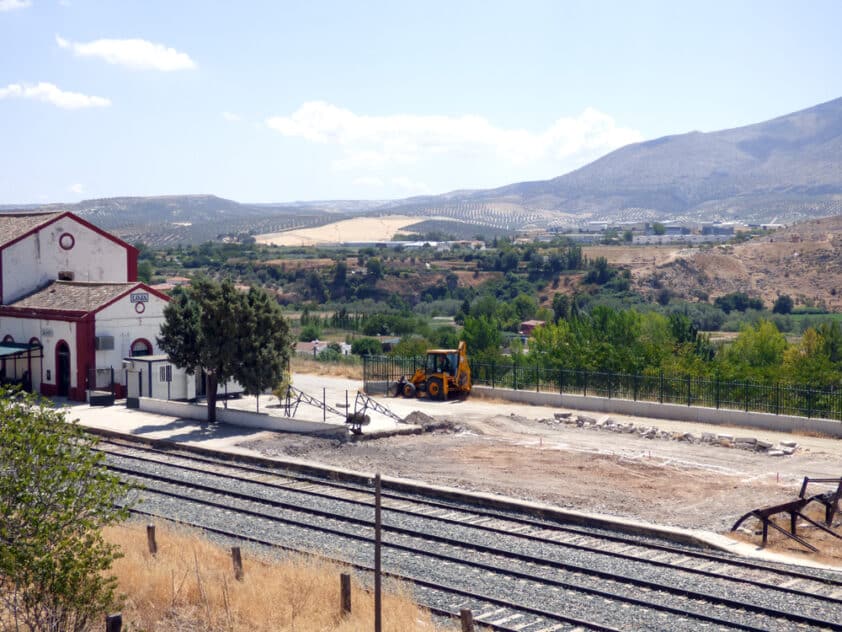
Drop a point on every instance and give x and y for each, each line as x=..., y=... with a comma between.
x=314, y=367
x=190, y=586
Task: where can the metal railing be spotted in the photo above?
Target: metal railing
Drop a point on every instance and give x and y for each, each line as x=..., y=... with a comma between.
x=778, y=399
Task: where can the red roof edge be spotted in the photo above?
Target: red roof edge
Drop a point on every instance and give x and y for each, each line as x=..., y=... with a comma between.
x=131, y=250
x=133, y=288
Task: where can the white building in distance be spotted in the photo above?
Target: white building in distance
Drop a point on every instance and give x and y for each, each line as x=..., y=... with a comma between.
x=71, y=307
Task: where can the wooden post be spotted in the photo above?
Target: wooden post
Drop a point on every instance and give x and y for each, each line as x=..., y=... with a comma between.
x=324, y=404
x=114, y=622
x=237, y=560
x=150, y=539
x=345, y=593
x=378, y=606
x=467, y=618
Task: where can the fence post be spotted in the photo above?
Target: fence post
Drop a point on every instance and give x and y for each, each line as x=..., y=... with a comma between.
x=561, y=381
x=345, y=593
x=778, y=398
x=150, y=539
x=809, y=402
x=114, y=622
x=467, y=619
x=537, y=380
x=584, y=383
x=688, y=391
x=716, y=390
x=609, y=384
x=745, y=394
x=635, y=381
x=492, y=375
x=237, y=560
x=661, y=389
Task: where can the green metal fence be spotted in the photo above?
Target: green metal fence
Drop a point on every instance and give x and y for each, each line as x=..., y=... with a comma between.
x=778, y=399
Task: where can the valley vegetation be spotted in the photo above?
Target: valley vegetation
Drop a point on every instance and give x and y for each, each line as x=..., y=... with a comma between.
x=595, y=317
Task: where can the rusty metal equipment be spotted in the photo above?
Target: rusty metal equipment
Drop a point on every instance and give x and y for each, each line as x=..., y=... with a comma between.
x=445, y=372
x=794, y=508
x=362, y=403
x=830, y=499
x=294, y=397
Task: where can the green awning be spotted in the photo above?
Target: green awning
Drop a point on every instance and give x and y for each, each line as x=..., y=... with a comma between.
x=8, y=349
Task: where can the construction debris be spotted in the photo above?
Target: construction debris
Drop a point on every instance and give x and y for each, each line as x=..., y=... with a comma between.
x=606, y=424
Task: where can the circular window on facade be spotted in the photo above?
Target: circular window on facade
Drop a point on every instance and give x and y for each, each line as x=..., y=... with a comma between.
x=66, y=241
x=140, y=307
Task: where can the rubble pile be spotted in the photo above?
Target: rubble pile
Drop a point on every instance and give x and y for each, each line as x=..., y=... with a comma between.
x=606, y=424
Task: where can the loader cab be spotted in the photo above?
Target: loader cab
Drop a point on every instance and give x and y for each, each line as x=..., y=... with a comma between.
x=441, y=361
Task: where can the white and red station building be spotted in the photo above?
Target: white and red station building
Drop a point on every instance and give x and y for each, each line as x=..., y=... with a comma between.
x=71, y=307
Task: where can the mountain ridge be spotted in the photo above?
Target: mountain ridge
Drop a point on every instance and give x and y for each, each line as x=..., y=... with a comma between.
x=786, y=169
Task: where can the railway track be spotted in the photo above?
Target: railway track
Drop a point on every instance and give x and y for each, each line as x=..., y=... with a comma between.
x=515, y=572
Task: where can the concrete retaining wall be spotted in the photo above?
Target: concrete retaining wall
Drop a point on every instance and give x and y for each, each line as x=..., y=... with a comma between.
x=766, y=421
x=241, y=418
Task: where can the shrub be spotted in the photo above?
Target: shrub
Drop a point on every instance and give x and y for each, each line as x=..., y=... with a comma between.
x=309, y=333
x=55, y=497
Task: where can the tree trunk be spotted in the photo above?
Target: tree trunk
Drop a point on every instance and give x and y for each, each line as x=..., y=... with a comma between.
x=211, y=384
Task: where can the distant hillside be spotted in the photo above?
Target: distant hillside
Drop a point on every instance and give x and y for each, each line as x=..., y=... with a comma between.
x=803, y=261
x=785, y=170
x=789, y=168
x=192, y=219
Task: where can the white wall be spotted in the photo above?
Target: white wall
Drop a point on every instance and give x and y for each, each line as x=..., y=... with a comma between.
x=38, y=258
x=122, y=321
x=49, y=333
x=242, y=418
x=675, y=412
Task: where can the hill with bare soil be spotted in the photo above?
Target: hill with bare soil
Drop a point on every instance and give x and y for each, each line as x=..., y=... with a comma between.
x=803, y=261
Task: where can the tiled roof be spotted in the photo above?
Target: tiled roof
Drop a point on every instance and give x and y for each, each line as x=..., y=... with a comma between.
x=72, y=295
x=13, y=225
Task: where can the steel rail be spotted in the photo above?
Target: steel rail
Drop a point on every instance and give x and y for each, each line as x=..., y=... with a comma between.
x=405, y=578
x=698, y=596
x=789, y=574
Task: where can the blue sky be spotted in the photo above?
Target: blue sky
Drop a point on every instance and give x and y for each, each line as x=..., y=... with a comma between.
x=282, y=101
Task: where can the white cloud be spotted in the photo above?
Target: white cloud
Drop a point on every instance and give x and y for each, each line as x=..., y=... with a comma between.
x=369, y=181
x=50, y=93
x=230, y=116
x=76, y=188
x=407, y=184
x=11, y=5
x=136, y=54
x=377, y=141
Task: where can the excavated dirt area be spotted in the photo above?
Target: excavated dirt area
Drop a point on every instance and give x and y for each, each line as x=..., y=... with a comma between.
x=569, y=467
x=527, y=453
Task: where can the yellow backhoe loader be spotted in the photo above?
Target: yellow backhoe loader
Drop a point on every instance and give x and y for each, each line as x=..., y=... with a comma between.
x=445, y=373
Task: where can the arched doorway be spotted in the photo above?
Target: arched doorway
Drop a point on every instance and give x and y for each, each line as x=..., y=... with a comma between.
x=62, y=369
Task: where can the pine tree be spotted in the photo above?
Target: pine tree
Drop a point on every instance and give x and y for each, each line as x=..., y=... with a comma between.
x=211, y=326
x=264, y=344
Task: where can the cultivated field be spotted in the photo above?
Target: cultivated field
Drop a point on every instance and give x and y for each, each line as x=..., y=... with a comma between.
x=357, y=229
